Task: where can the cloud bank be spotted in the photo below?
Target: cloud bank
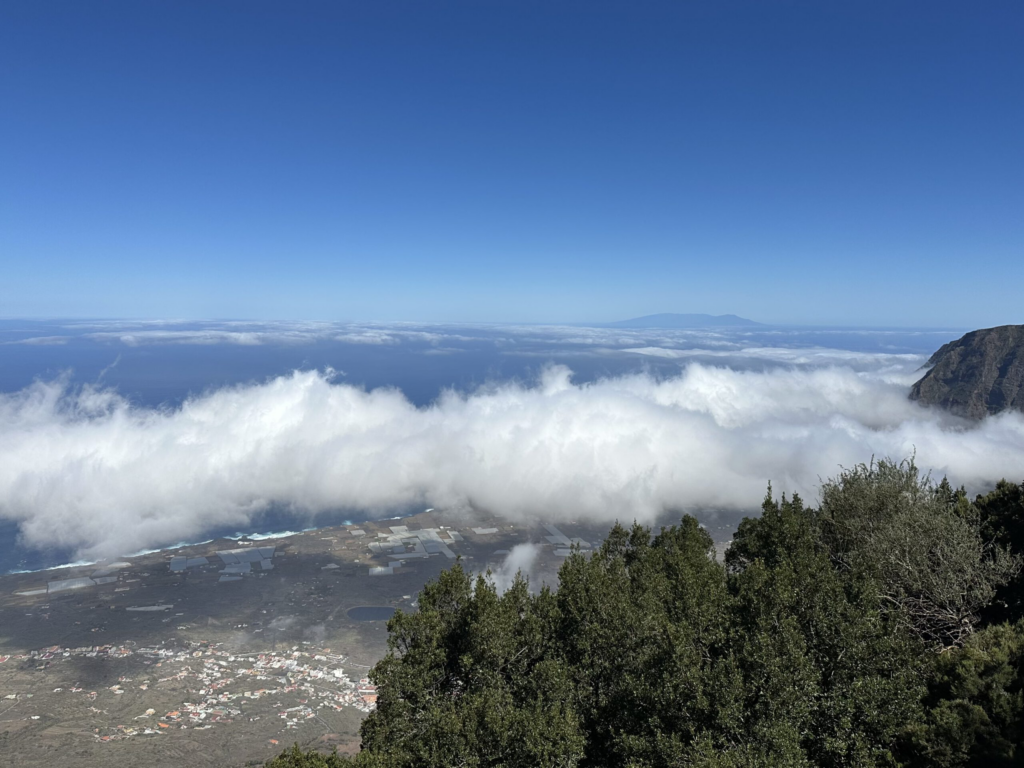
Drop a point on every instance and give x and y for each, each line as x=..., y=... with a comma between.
x=514, y=339
x=81, y=467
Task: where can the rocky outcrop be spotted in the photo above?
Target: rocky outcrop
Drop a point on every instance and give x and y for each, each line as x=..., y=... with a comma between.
x=977, y=375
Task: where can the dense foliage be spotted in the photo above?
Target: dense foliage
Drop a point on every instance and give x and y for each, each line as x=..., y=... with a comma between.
x=881, y=628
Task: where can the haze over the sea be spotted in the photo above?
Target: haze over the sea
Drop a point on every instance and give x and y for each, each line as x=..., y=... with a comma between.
x=121, y=436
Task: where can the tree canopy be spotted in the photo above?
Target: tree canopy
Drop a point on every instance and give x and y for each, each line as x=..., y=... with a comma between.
x=868, y=631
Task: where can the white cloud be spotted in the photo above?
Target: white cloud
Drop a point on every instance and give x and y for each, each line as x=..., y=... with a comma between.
x=84, y=468
x=249, y=334
x=42, y=340
x=391, y=335
x=137, y=338
x=519, y=559
x=803, y=355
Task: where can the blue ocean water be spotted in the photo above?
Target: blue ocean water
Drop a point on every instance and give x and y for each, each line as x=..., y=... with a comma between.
x=159, y=365
x=161, y=370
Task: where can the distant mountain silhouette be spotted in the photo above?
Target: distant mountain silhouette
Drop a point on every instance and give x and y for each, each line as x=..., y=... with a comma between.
x=670, y=320
x=977, y=375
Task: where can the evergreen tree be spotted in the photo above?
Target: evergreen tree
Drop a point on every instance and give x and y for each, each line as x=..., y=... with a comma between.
x=840, y=636
x=296, y=758
x=470, y=680
x=975, y=704
x=644, y=629
x=1001, y=515
x=829, y=678
x=923, y=545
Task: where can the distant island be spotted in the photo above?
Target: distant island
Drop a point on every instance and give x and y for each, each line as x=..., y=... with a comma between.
x=671, y=320
x=975, y=376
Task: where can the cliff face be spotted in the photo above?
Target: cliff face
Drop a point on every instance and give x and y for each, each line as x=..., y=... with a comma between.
x=977, y=375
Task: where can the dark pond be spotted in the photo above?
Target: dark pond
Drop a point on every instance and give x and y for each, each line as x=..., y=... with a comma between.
x=370, y=613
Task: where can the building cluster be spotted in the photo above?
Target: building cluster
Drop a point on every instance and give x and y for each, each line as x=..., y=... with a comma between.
x=563, y=544
x=220, y=683
x=402, y=544
x=237, y=563
x=108, y=574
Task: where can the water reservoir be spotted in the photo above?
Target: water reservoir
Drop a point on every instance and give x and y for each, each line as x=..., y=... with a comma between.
x=370, y=613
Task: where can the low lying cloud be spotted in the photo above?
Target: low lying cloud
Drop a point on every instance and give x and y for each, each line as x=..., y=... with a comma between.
x=84, y=468
x=249, y=335
x=514, y=339
x=814, y=356
x=520, y=559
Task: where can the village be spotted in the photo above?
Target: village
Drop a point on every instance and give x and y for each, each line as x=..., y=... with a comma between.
x=225, y=652
x=221, y=686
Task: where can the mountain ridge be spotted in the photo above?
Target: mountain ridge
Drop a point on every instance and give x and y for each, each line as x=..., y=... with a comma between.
x=676, y=320
x=978, y=375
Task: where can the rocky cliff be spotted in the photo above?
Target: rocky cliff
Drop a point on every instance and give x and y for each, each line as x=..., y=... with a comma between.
x=977, y=375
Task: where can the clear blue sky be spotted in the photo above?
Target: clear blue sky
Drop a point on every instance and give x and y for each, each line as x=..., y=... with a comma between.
x=798, y=162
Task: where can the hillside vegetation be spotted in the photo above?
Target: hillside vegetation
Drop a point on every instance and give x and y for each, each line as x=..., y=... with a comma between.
x=881, y=628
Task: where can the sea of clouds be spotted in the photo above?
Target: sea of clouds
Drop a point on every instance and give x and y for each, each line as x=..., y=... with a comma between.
x=82, y=467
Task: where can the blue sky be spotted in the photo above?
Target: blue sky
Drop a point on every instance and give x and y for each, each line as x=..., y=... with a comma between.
x=835, y=163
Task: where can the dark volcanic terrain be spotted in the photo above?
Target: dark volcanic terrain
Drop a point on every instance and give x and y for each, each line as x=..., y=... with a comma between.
x=978, y=375
x=222, y=654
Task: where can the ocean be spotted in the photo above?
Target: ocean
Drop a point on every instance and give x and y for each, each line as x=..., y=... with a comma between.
x=160, y=365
